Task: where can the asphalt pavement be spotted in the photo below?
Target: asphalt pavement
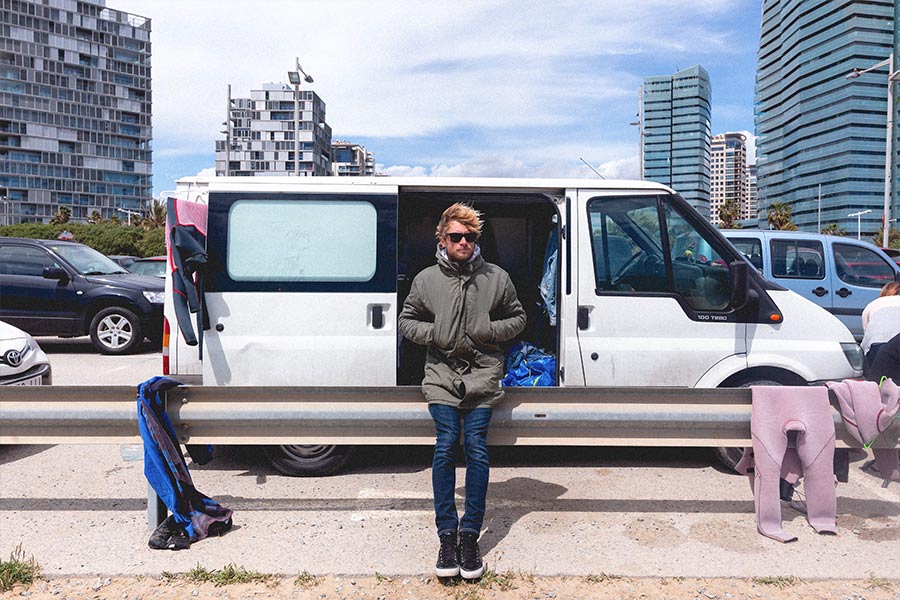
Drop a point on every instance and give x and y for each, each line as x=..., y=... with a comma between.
x=81, y=510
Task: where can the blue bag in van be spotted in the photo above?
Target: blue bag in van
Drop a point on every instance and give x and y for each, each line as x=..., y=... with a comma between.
x=529, y=366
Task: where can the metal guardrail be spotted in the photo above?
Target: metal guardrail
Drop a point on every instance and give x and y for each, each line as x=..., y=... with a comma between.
x=597, y=416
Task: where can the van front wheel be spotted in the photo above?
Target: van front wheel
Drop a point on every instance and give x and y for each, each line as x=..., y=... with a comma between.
x=309, y=460
x=730, y=457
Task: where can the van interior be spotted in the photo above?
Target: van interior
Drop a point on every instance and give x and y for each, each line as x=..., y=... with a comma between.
x=517, y=230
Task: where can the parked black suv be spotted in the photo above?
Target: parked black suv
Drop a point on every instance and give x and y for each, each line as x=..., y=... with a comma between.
x=51, y=287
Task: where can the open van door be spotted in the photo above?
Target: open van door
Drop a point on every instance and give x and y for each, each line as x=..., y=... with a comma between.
x=654, y=292
x=302, y=288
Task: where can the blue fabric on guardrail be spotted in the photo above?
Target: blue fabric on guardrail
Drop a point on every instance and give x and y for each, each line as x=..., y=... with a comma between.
x=166, y=470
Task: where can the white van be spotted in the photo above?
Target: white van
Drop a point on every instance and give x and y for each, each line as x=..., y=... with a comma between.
x=840, y=274
x=306, y=276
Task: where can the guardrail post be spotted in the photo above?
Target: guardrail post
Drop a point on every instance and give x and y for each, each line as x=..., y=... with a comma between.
x=156, y=508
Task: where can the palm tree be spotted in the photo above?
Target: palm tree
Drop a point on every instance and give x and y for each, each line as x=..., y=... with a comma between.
x=729, y=213
x=156, y=217
x=779, y=216
x=62, y=216
x=833, y=229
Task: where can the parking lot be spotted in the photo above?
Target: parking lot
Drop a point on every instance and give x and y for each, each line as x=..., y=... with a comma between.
x=576, y=511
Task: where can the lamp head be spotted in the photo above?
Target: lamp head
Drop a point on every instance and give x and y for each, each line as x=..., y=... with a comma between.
x=294, y=77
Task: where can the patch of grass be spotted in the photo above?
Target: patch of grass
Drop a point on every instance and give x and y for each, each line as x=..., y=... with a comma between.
x=227, y=575
x=168, y=576
x=18, y=570
x=779, y=582
x=381, y=577
x=468, y=592
x=504, y=581
x=602, y=578
x=881, y=583
x=305, y=580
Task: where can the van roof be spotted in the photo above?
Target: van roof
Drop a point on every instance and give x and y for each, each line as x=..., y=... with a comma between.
x=279, y=183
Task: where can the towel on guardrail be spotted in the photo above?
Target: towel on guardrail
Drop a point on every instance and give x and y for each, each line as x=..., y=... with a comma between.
x=194, y=515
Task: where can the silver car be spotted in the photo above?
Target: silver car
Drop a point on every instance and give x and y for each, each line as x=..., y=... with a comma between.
x=22, y=362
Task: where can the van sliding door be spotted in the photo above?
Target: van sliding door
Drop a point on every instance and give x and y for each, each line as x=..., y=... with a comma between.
x=302, y=289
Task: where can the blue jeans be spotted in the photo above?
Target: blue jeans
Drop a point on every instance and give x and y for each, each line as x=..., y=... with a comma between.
x=443, y=469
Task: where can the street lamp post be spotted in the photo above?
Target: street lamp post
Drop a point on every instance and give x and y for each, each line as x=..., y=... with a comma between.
x=892, y=78
x=858, y=216
x=129, y=213
x=640, y=126
x=296, y=80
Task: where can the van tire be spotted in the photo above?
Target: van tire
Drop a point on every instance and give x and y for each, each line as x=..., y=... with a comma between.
x=116, y=330
x=730, y=457
x=309, y=460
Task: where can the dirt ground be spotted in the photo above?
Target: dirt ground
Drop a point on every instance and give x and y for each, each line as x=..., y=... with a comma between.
x=503, y=586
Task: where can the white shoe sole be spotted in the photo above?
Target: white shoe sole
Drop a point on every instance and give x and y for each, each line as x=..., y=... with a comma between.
x=446, y=572
x=472, y=574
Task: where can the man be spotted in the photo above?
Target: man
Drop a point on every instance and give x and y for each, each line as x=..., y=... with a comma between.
x=462, y=308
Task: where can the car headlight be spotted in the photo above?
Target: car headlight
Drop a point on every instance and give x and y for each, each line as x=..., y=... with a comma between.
x=155, y=297
x=854, y=355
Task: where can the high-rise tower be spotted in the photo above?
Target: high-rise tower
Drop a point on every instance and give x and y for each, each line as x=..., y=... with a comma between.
x=74, y=110
x=813, y=125
x=677, y=135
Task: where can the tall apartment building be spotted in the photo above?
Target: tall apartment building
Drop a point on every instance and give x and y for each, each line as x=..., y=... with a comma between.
x=752, y=211
x=278, y=130
x=348, y=158
x=676, y=138
x=74, y=110
x=813, y=125
x=728, y=173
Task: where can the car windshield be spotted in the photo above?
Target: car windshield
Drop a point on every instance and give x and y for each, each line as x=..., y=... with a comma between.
x=154, y=268
x=87, y=261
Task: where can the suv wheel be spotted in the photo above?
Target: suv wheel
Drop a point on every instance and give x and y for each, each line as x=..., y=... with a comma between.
x=116, y=330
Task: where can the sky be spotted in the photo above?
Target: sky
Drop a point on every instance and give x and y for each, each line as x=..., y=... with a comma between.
x=489, y=88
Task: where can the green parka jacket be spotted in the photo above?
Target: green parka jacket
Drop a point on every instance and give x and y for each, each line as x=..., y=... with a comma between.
x=462, y=312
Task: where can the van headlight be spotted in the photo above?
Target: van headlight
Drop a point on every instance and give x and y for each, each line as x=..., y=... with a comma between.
x=854, y=355
x=155, y=297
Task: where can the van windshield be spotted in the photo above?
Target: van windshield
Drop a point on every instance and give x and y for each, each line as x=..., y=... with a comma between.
x=87, y=261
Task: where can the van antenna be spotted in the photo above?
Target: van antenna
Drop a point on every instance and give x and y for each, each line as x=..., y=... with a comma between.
x=591, y=168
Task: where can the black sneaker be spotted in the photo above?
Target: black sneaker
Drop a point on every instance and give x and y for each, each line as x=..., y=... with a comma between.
x=470, y=563
x=169, y=536
x=447, y=562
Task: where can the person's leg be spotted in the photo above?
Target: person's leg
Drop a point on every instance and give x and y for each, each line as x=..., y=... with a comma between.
x=443, y=467
x=475, y=428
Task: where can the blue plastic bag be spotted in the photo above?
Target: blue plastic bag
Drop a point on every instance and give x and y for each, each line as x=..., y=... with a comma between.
x=529, y=366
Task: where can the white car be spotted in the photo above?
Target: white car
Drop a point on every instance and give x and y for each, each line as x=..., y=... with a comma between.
x=22, y=362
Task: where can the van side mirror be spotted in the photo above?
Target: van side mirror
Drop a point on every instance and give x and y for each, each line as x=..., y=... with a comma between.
x=55, y=273
x=740, y=283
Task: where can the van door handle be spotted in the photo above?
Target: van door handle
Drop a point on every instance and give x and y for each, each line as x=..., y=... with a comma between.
x=584, y=318
x=843, y=292
x=377, y=316
x=820, y=291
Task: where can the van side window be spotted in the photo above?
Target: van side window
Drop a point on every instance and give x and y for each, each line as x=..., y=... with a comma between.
x=798, y=259
x=629, y=255
x=751, y=248
x=279, y=240
x=860, y=266
x=19, y=260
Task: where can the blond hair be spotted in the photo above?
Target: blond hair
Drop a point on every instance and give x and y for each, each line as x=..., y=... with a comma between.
x=890, y=289
x=464, y=214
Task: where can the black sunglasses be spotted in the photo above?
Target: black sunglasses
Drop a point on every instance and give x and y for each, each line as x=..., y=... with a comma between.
x=457, y=237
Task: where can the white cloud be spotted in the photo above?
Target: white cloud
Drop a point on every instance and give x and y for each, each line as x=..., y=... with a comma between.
x=500, y=166
x=400, y=69
x=207, y=172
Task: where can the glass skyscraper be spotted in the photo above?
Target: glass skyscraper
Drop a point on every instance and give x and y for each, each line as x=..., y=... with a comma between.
x=815, y=126
x=74, y=110
x=676, y=136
